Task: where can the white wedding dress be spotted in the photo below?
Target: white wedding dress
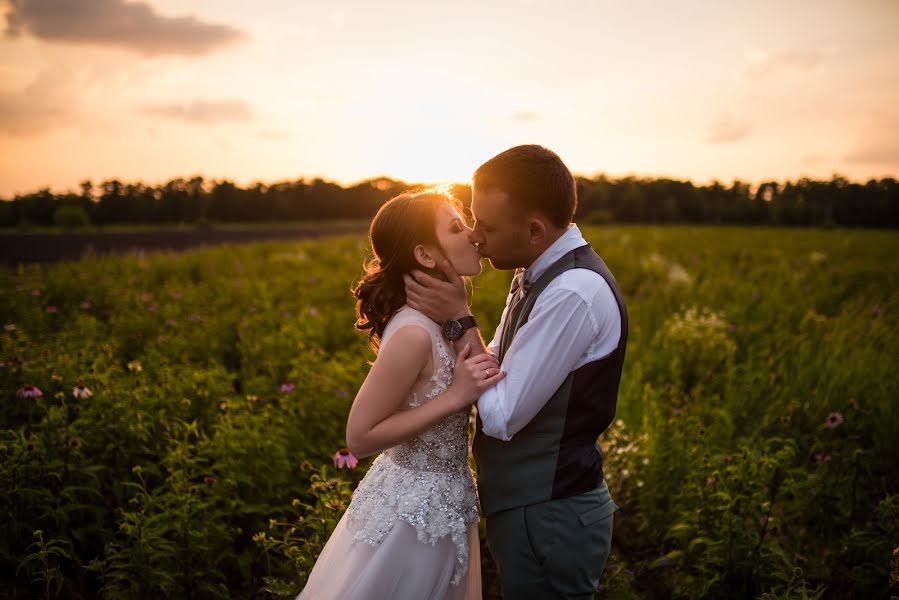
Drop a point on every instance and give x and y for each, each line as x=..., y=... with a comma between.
x=410, y=531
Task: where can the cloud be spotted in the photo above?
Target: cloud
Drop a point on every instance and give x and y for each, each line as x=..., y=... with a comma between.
x=727, y=131
x=877, y=143
x=45, y=104
x=761, y=64
x=203, y=112
x=135, y=26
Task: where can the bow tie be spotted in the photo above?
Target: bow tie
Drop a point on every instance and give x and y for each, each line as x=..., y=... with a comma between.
x=518, y=281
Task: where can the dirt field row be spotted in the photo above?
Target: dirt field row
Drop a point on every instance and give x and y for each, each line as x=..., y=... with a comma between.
x=18, y=248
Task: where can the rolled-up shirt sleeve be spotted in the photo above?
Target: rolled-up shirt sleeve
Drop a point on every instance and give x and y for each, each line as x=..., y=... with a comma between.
x=545, y=350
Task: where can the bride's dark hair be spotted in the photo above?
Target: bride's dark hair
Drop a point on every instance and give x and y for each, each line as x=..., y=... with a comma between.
x=402, y=223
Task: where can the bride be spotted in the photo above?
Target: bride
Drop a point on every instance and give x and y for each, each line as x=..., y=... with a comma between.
x=410, y=530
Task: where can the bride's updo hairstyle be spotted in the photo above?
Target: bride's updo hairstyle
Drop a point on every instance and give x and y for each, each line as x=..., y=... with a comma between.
x=400, y=225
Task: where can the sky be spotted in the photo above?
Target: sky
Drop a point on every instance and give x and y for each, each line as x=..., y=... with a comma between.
x=347, y=90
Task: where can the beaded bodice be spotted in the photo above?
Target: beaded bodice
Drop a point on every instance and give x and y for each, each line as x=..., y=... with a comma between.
x=425, y=481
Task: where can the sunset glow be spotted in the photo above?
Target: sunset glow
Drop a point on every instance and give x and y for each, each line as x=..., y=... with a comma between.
x=351, y=90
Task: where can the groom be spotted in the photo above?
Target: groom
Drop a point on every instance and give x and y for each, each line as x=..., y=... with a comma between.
x=561, y=342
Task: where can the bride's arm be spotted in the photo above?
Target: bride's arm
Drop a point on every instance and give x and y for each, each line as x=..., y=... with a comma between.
x=376, y=421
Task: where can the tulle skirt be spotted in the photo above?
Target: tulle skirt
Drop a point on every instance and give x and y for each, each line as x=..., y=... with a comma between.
x=400, y=567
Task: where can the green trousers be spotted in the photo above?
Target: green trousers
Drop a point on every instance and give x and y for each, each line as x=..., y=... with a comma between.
x=555, y=549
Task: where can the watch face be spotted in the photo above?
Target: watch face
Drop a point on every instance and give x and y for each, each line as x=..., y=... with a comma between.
x=452, y=330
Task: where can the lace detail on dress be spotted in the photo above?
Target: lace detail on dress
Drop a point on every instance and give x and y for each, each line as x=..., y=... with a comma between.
x=425, y=481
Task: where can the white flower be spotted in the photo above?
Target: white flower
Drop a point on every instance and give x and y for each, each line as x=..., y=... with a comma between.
x=81, y=392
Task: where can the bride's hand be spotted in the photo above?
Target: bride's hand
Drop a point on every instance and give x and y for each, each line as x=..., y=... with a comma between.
x=473, y=376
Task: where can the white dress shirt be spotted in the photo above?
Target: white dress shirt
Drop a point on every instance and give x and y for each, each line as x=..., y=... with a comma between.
x=574, y=321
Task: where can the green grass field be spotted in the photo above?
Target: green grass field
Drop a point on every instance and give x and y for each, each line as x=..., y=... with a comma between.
x=754, y=452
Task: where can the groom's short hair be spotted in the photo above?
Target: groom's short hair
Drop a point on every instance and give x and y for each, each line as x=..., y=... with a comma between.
x=535, y=178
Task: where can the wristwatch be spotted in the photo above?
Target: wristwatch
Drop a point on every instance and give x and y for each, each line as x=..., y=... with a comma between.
x=454, y=329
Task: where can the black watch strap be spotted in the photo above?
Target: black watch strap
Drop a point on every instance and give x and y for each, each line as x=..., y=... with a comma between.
x=468, y=322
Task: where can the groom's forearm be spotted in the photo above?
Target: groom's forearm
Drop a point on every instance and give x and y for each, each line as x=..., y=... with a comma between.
x=471, y=336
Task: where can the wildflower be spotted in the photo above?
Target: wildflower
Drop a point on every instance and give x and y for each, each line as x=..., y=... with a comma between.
x=35, y=292
x=209, y=479
x=29, y=391
x=145, y=297
x=335, y=505
x=305, y=466
x=10, y=327
x=822, y=457
x=194, y=317
x=312, y=311
x=834, y=420
x=175, y=294
x=876, y=311
x=171, y=322
x=151, y=307
x=86, y=305
x=286, y=313
x=51, y=309
x=286, y=388
x=81, y=392
x=343, y=458
x=223, y=406
x=135, y=366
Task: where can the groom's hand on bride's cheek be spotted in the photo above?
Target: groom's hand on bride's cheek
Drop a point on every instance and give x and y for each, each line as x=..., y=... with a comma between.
x=439, y=300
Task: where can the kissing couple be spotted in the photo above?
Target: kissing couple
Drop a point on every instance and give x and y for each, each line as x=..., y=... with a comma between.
x=545, y=388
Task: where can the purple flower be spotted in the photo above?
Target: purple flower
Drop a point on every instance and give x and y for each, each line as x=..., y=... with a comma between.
x=834, y=420
x=29, y=391
x=823, y=457
x=286, y=388
x=343, y=458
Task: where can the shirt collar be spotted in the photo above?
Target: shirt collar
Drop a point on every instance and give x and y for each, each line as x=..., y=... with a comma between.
x=567, y=242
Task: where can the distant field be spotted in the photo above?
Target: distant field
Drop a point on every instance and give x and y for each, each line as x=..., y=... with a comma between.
x=754, y=454
x=141, y=227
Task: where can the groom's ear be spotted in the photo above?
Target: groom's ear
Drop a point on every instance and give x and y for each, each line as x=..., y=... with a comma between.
x=424, y=257
x=536, y=230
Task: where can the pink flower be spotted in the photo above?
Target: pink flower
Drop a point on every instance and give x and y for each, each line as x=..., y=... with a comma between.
x=151, y=307
x=85, y=305
x=876, y=311
x=35, y=292
x=834, y=420
x=312, y=311
x=50, y=308
x=29, y=391
x=822, y=457
x=209, y=479
x=286, y=388
x=344, y=459
x=171, y=322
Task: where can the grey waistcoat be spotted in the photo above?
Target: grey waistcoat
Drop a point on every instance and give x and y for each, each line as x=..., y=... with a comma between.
x=556, y=454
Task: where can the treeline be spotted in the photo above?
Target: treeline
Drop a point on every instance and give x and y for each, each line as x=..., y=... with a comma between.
x=600, y=199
